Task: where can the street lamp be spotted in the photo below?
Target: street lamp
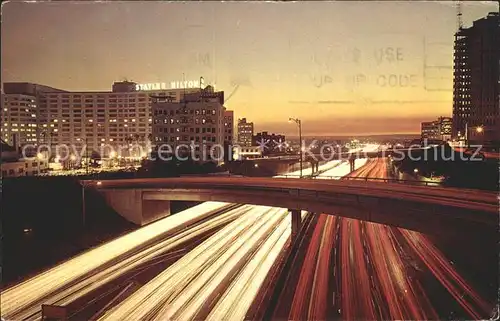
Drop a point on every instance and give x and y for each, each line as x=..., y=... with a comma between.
x=299, y=124
x=477, y=129
x=84, y=185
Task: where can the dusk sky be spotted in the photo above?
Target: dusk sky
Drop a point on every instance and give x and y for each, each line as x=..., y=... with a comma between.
x=277, y=52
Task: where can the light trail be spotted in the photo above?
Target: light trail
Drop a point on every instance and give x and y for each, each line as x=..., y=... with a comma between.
x=342, y=169
x=191, y=285
x=134, y=260
x=355, y=279
x=309, y=300
x=372, y=269
x=308, y=171
x=235, y=302
x=446, y=274
x=24, y=300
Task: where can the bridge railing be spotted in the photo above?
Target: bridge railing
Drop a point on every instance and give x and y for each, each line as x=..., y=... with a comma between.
x=369, y=179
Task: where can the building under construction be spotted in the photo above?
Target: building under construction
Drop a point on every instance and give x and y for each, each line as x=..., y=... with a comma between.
x=476, y=82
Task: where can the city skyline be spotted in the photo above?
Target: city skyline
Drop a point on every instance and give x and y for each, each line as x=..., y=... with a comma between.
x=277, y=66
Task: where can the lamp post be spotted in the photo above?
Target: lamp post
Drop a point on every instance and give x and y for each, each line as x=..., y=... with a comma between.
x=86, y=157
x=466, y=135
x=85, y=184
x=83, y=203
x=299, y=124
x=477, y=129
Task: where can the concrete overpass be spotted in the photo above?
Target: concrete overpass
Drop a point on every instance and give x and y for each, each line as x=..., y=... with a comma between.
x=419, y=208
x=313, y=159
x=311, y=156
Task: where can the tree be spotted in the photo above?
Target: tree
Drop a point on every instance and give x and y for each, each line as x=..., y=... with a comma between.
x=94, y=157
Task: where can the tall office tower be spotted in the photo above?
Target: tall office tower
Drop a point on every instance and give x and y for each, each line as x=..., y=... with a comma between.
x=190, y=128
x=476, y=82
x=228, y=126
x=245, y=132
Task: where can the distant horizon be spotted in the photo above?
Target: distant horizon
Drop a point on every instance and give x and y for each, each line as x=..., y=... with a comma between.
x=343, y=67
x=362, y=136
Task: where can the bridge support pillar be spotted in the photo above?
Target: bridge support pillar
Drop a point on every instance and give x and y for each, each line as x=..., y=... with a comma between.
x=296, y=222
x=131, y=205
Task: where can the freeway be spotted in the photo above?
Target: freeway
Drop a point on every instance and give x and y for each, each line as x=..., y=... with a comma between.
x=263, y=233
x=221, y=277
x=357, y=270
x=87, y=272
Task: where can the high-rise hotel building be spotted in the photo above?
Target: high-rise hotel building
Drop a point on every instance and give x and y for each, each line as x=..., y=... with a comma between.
x=20, y=112
x=476, y=112
x=19, y=126
x=105, y=121
x=195, y=127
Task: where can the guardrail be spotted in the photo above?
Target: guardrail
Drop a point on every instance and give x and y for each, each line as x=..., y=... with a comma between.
x=367, y=179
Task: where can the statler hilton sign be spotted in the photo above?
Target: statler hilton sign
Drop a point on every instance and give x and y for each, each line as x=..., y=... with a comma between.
x=173, y=85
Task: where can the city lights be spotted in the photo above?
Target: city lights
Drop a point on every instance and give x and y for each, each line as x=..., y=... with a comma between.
x=354, y=176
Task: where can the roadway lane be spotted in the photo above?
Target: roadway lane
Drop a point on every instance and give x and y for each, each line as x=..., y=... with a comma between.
x=476, y=307
x=190, y=288
x=312, y=295
x=375, y=272
x=86, y=272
